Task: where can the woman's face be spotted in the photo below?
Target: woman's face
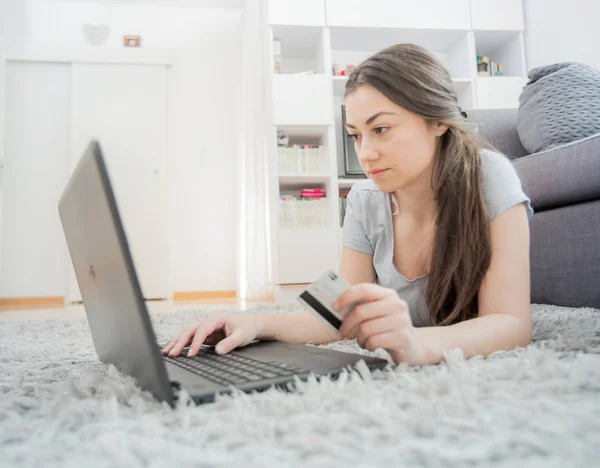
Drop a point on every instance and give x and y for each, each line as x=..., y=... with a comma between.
x=395, y=147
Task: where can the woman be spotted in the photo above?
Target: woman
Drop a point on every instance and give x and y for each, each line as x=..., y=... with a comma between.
x=435, y=243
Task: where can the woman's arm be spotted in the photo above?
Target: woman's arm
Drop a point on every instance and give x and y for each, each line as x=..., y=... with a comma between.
x=355, y=267
x=504, y=320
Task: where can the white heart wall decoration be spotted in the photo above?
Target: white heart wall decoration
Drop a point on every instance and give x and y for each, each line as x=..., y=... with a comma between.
x=95, y=34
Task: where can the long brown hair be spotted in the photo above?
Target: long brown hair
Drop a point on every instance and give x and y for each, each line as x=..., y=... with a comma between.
x=415, y=80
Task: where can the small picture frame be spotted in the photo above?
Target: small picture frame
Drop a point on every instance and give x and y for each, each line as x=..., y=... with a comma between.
x=132, y=41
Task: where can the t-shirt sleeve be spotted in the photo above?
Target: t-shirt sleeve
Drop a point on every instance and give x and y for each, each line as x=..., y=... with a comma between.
x=354, y=234
x=502, y=188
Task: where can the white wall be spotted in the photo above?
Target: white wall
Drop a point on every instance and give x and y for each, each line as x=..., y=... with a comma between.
x=562, y=31
x=13, y=25
x=204, y=87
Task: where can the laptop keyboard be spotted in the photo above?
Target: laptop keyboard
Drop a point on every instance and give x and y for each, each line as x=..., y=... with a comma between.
x=231, y=368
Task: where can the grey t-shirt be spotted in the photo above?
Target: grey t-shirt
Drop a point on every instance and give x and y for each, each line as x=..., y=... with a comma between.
x=368, y=226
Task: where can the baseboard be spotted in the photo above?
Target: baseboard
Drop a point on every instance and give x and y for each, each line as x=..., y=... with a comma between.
x=287, y=293
x=8, y=303
x=203, y=295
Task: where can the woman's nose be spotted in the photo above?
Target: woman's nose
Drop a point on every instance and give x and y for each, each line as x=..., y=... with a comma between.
x=368, y=153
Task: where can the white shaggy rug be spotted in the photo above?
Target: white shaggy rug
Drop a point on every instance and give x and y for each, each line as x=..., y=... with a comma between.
x=537, y=406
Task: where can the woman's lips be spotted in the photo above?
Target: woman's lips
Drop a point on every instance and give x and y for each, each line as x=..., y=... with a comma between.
x=375, y=173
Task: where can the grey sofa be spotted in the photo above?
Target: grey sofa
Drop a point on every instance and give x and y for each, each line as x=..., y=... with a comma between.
x=564, y=186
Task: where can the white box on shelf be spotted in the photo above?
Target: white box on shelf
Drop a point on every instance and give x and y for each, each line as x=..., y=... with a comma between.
x=293, y=12
x=499, y=92
x=301, y=100
x=348, y=183
x=409, y=14
x=495, y=15
x=304, y=254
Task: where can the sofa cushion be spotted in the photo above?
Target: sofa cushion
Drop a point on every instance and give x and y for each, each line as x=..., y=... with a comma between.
x=562, y=176
x=559, y=104
x=498, y=128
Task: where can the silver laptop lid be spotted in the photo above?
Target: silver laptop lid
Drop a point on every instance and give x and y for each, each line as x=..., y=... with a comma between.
x=113, y=300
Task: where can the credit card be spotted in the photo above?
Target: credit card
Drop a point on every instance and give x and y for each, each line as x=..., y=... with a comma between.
x=320, y=296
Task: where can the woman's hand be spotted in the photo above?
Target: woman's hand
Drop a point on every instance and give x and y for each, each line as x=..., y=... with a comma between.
x=226, y=331
x=381, y=320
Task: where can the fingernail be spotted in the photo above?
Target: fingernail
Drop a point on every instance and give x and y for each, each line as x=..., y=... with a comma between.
x=189, y=354
x=219, y=349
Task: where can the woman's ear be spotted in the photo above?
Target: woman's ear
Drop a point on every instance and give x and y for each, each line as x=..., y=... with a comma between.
x=439, y=129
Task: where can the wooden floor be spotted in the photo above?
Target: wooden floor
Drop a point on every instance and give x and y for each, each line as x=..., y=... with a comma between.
x=77, y=310
x=286, y=294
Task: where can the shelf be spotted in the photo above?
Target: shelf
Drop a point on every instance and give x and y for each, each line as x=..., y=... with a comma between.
x=504, y=47
x=488, y=42
x=503, y=77
x=464, y=92
x=292, y=179
x=339, y=84
x=351, y=46
x=300, y=48
x=500, y=79
x=308, y=106
x=308, y=132
x=345, y=183
x=298, y=42
x=375, y=39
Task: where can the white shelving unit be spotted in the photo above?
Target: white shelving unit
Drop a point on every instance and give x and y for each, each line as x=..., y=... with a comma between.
x=307, y=98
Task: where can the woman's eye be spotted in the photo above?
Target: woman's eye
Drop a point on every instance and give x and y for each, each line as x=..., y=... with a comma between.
x=354, y=136
x=381, y=130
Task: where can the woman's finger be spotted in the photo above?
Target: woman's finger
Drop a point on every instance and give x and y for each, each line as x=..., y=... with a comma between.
x=363, y=312
x=208, y=327
x=375, y=327
x=183, y=340
x=363, y=292
x=233, y=341
x=385, y=340
x=168, y=348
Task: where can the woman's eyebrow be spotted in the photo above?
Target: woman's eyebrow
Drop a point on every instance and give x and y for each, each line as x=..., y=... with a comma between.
x=372, y=118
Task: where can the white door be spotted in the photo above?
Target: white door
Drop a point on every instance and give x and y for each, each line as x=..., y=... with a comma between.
x=125, y=108
x=33, y=254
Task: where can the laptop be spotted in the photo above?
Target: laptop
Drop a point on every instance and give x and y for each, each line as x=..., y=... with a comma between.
x=118, y=318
